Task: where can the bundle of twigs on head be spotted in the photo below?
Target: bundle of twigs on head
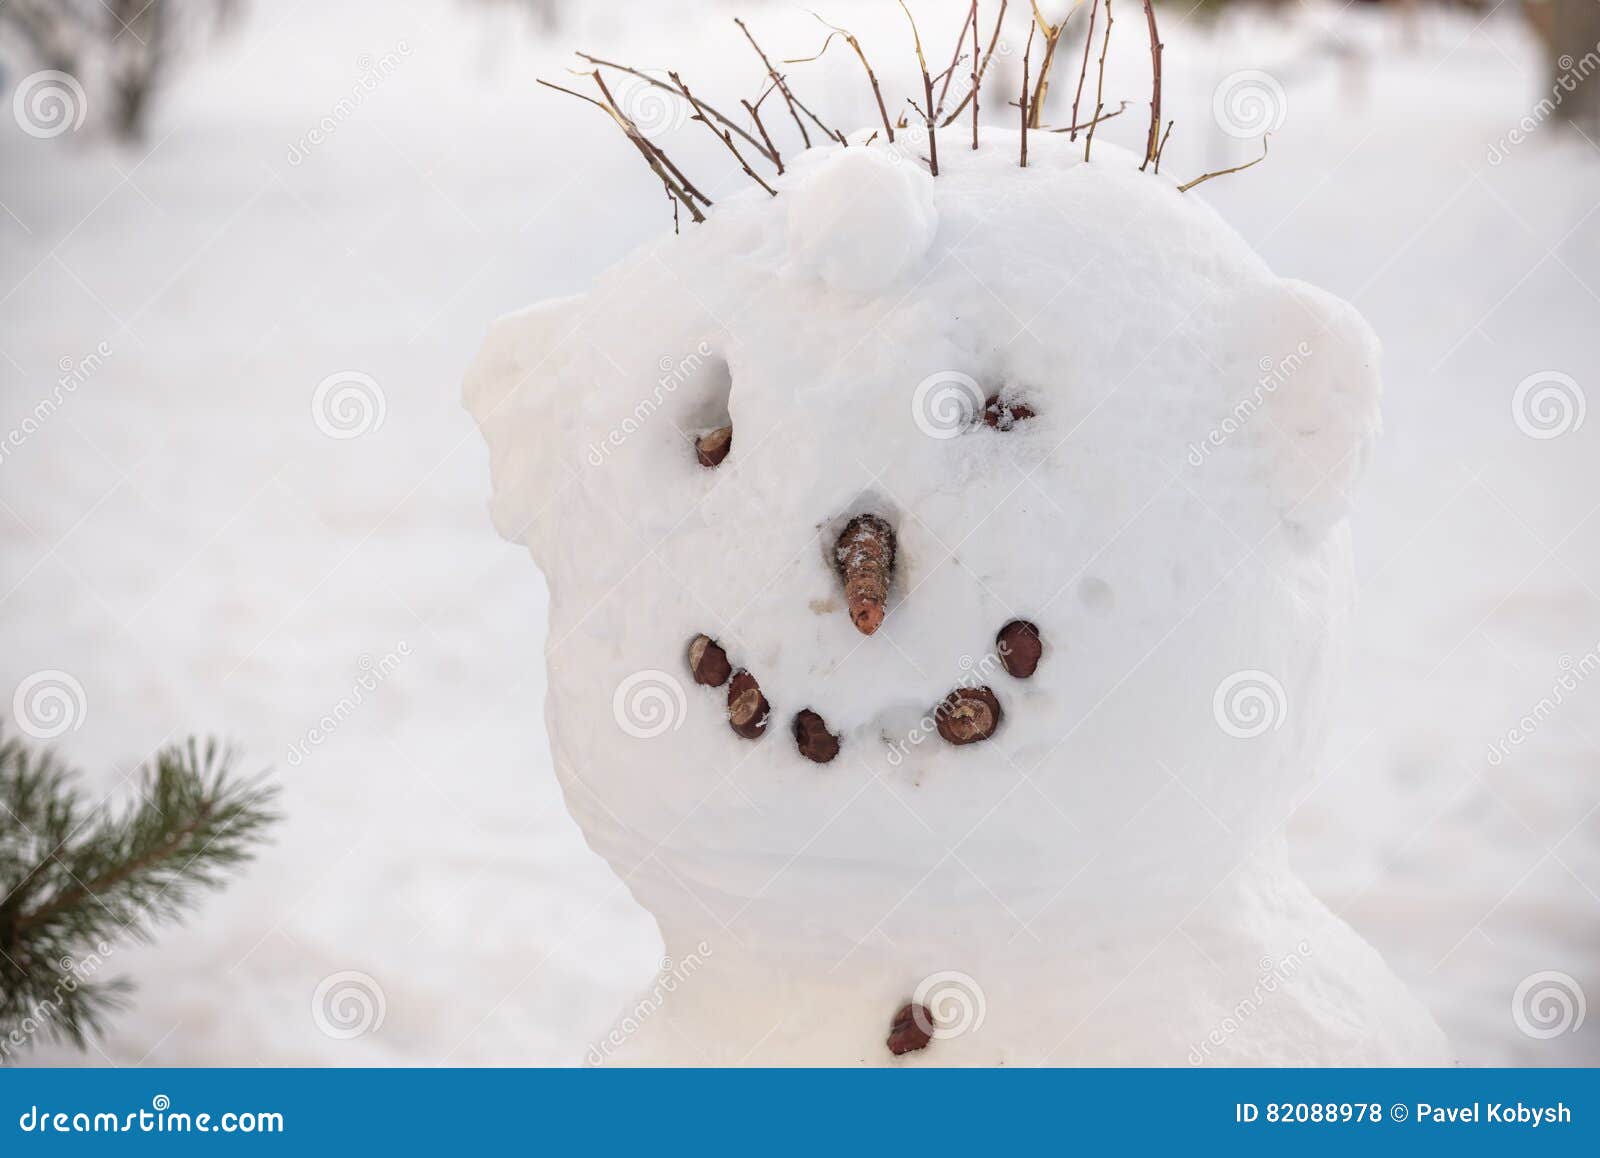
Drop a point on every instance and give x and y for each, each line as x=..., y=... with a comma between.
x=752, y=142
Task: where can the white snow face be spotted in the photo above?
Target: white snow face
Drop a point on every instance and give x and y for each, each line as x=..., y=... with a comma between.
x=1170, y=518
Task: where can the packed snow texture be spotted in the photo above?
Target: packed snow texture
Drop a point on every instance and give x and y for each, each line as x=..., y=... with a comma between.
x=863, y=221
x=184, y=540
x=1191, y=632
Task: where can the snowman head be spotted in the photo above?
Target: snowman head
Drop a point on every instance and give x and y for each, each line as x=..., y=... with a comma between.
x=1158, y=493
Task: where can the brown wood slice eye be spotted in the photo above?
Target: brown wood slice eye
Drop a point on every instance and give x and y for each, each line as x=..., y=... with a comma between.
x=1020, y=647
x=710, y=449
x=1004, y=415
x=911, y=1029
x=967, y=715
x=812, y=737
x=747, y=707
x=708, y=662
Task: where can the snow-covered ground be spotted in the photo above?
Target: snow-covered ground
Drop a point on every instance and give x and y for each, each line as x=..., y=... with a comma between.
x=184, y=538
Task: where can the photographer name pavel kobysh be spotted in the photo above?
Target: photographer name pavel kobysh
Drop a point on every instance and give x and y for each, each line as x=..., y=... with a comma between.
x=1513, y=1113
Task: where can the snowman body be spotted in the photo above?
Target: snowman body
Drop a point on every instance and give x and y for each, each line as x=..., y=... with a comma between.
x=1102, y=881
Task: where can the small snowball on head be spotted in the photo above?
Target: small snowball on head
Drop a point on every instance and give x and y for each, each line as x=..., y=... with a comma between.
x=864, y=218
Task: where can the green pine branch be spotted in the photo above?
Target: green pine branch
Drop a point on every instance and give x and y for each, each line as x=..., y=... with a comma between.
x=77, y=879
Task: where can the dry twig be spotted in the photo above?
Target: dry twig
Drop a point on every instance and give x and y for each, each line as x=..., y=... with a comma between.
x=724, y=136
x=778, y=80
x=1162, y=148
x=644, y=142
x=849, y=39
x=1084, y=71
x=1052, y=34
x=988, y=56
x=977, y=75
x=1075, y=129
x=1204, y=177
x=1152, y=142
x=665, y=87
x=1100, y=85
x=955, y=57
x=653, y=156
x=1022, y=101
x=755, y=115
x=927, y=92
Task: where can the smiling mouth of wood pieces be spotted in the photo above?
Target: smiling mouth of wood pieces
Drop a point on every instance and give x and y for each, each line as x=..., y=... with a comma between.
x=864, y=556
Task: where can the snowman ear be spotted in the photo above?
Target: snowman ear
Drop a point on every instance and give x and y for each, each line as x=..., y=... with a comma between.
x=1320, y=384
x=515, y=390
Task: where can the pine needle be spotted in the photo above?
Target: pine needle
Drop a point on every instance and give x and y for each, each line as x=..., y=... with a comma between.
x=76, y=880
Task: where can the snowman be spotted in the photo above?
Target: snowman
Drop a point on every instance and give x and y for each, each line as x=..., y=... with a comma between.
x=948, y=580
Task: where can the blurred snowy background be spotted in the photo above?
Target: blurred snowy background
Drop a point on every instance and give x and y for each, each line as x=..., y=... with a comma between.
x=353, y=190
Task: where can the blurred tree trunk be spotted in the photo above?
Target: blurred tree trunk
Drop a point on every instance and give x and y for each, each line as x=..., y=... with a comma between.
x=139, y=50
x=1570, y=30
x=50, y=32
